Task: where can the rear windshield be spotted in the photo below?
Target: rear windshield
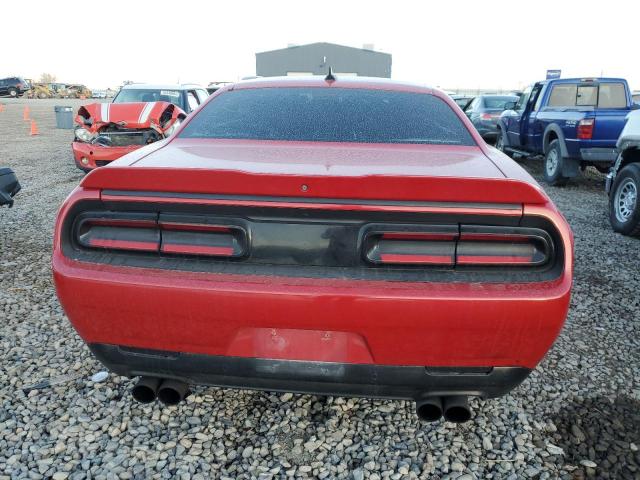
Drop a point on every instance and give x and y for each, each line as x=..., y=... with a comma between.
x=603, y=95
x=329, y=115
x=498, y=102
x=128, y=95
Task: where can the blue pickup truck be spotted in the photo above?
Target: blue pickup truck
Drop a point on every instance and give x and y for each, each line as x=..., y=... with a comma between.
x=573, y=122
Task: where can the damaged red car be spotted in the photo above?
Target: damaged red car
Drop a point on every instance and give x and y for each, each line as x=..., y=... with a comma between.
x=332, y=236
x=139, y=115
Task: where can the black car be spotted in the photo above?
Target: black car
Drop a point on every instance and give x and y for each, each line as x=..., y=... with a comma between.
x=13, y=87
x=9, y=186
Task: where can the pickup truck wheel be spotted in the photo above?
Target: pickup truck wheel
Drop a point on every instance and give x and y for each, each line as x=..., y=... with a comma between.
x=499, y=145
x=624, y=206
x=13, y=93
x=553, y=162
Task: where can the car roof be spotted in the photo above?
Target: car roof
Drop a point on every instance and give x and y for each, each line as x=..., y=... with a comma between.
x=159, y=86
x=583, y=79
x=373, y=83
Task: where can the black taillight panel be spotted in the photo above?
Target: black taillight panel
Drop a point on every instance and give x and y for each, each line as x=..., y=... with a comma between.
x=409, y=244
x=164, y=234
x=503, y=247
x=296, y=242
x=462, y=246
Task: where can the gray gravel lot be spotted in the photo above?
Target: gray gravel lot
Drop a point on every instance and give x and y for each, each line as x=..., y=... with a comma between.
x=577, y=416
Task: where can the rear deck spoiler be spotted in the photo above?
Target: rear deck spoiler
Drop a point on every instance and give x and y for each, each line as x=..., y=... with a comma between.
x=371, y=187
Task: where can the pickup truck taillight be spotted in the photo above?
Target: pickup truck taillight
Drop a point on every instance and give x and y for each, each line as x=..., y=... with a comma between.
x=585, y=128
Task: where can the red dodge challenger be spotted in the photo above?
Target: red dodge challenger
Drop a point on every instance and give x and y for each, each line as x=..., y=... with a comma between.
x=333, y=236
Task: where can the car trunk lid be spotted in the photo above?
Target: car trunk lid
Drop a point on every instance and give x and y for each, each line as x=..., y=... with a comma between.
x=378, y=173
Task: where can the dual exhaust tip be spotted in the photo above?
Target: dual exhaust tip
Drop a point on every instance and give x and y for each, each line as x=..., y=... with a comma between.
x=455, y=409
x=169, y=392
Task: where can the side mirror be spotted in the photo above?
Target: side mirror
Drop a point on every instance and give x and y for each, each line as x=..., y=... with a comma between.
x=510, y=105
x=9, y=186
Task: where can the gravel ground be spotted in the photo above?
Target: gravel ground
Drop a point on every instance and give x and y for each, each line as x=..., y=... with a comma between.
x=577, y=416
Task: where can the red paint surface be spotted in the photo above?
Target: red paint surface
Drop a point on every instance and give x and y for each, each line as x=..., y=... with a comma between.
x=124, y=244
x=491, y=260
x=418, y=259
x=390, y=323
x=96, y=152
x=311, y=345
x=401, y=323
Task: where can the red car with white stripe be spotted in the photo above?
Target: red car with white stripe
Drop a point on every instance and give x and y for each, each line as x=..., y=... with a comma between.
x=139, y=115
x=332, y=236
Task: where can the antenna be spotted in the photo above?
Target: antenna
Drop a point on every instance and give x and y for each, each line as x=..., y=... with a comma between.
x=330, y=77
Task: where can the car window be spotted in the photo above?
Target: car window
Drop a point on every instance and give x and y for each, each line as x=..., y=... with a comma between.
x=324, y=114
x=202, y=95
x=604, y=95
x=563, y=95
x=587, y=95
x=462, y=102
x=524, y=99
x=612, y=95
x=192, y=100
x=127, y=95
x=536, y=107
x=475, y=103
x=498, y=103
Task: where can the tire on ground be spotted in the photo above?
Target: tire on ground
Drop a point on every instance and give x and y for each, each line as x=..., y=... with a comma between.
x=553, y=163
x=500, y=143
x=624, y=205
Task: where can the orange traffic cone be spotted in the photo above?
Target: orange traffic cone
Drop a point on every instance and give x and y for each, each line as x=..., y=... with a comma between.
x=1, y=107
x=25, y=113
x=34, y=128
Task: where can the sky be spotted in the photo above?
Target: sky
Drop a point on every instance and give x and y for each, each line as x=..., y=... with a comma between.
x=451, y=44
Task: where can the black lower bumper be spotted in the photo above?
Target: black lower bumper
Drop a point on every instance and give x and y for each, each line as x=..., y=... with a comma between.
x=322, y=378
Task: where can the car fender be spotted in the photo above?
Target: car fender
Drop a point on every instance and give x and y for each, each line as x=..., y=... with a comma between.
x=558, y=131
x=570, y=166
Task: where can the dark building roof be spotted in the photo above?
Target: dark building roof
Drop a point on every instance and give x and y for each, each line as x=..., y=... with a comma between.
x=316, y=58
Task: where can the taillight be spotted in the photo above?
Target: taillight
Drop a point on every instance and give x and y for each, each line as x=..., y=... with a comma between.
x=585, y=128
x=202, y=239
x=486, y=116
x=466, y=246
x=410, y=245
x=120, y=234
x=166, y=235
x=485, y=246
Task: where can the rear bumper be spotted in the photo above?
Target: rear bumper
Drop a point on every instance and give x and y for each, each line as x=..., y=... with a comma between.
x=304, y=319
x=323, y=378
x=599, y=155
x=96, y=155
